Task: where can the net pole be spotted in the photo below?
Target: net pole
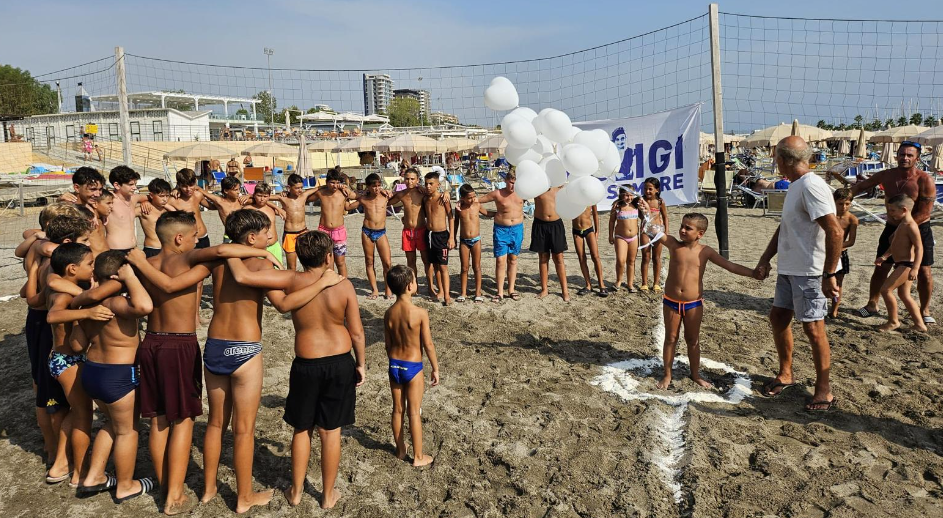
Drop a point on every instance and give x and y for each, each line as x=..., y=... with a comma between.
x=123, y=117
x=720, y=167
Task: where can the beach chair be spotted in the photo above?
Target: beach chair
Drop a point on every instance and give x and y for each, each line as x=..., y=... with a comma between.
x=392, y=211
x=455, y=182
x=775, y=199
x=748, y=194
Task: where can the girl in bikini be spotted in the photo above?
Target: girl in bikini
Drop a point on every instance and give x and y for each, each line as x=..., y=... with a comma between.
x=623, y=233
x=658, y=214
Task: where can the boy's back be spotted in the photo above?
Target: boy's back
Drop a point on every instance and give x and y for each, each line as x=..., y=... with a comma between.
x=403, y=325
x=114, y=339
x=320, y=324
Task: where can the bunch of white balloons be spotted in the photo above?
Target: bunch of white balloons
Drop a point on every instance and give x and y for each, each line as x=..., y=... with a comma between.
x=549, y=152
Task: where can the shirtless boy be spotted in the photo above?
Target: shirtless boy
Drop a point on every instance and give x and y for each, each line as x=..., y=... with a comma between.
x=684, y=287
x=260, y=202
x=849, y=226
x=110, y=378
x=373, y=234
x=158, y=196
x=414, y=226
x=321, y=387
x=508, y=235
x=169, y=356
x=227, y=203
x=190, y=198
x=233, y=353
x=439, y=239
x=905, y=254
x=468, y=229
x=120, y=223
x=406, y=333
x=334, y=204
x=548, y=239
x=294, y=204
x=87, y=186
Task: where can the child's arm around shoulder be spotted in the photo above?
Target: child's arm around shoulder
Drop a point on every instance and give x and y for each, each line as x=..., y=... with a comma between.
x=228, y=251
x=425, y=337
x=138, y=303
x=163, y=281
x=728, y=265
x=59, y=312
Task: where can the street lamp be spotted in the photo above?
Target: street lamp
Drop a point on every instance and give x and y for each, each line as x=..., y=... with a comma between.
x=271, y=98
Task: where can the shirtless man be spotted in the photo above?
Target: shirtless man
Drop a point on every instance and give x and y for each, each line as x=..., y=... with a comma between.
x=414, y=226
x=120, y=225
x=87, y=185
x=548, y=238
x=918, y=186
x=232, y=168
x=508, y=235
x=294, y=204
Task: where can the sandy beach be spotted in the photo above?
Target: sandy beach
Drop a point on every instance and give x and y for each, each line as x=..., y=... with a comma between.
x=520, y=425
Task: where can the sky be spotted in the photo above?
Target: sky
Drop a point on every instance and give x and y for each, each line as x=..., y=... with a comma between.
x=374, y=34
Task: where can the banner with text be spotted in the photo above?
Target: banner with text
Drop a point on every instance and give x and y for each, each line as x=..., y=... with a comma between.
x=663, y=146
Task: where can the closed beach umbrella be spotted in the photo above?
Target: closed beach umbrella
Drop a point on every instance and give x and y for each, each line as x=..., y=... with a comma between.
x=898, y=134
x=861, y=148
x=408, y=144
x=889, y=152
x=198, y=152
x=936, y=163
x=302, y=165
x=795, y=127
x=845, y=147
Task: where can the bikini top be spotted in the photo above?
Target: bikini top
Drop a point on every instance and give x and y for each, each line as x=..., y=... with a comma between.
x=627, y=214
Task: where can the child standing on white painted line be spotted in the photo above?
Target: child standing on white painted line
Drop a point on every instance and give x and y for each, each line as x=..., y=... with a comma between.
x=684, y=287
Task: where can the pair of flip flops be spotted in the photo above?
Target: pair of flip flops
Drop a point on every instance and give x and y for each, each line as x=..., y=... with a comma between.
x=769, y=390
x=476, y=299
x=867, y=313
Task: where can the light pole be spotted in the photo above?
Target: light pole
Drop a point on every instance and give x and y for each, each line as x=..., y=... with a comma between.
x=271, y=97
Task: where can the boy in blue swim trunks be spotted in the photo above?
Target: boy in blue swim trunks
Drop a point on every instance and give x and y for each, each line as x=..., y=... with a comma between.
x=373, y=234
x=406, y=333
x=110, y=377
x=684, y=287
x=468, y=227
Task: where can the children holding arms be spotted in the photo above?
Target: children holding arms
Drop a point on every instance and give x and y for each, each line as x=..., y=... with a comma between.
x=439, y=239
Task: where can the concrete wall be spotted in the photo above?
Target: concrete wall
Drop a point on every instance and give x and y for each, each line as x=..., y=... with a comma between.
x=15, y=157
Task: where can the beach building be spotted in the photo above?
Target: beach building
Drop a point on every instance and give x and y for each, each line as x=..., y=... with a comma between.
x=420, y=95
x=159, y=124
x=377, y=94
x=330, y=121
x=238, y=114
x=436, y=118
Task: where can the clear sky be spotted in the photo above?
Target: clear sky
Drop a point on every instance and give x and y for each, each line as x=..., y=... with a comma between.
x=374, y=34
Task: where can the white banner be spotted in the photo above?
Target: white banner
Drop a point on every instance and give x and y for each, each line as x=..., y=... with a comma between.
x=662, y=146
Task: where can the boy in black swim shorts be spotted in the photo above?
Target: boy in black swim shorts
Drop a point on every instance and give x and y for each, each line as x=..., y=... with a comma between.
x=439, y=240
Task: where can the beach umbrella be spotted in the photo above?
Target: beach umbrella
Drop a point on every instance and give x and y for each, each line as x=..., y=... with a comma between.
x=302, y=166
x=850, y=135
x=861, y=148
x=492, y=144
x=844, y=147
x=795, y=127
x=200, y=151
x=772, y=135
x=456, y=144
x=936, y=162
x=889, y=152
x=898, y=134
x=359, y=144
x=931, y=137
x=323, y=145
x=270, y=149
x=408, y=143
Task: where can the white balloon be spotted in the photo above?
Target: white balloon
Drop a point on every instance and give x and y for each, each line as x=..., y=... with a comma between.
x=612, y=161
x=543, y=146
x=557, y=125
x=596, y=140
x=509, y=119
x=525, y=113
x=567, y=208
x=531, y=180
x=586, y=191
x=501, y=80
x=539, y=121
x=574, y=131
x=520, y=134
x=501, y=95
x=579, y=160
x=516, y=155
x=556, y=171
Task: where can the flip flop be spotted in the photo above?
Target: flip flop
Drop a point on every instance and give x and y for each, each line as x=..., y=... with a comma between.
x=479, y=299
x=515, y=296
x=460, y=299
x=773, y=385
x=57, y=480
x=583, y=291
x=656, y=288
x=865, y=313
x=602, y=293
x=87, y=491
x=828, y=405
x=497, y=299
x=372, y=297
x=147, y=485
x=927, y=319
x=632, y=289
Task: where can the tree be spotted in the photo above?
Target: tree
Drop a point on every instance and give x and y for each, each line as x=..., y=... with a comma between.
x=930, y=120
x=242, y=111
x=916, y=119
x=874, y=126
x=22, y=95
x=267, y=105
x=857, y=124
x=821, y=124
x=404, y=112
x=901, y=121
x=889, y=123
x=280, y=114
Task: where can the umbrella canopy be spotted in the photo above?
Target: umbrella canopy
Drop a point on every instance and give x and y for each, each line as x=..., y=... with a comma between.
x=408, y=144
x=898, y=134
x=359, y=144
x=201, y=151
x=270, y=149
x=707, y=138
x=861, y=148
x=772, y=135
x=844, y=148
x=931, y=137
x=323, y=145
x=850, y=135
x=795, y=127
x=456, y=144
x=493, y=144
x=302, y=165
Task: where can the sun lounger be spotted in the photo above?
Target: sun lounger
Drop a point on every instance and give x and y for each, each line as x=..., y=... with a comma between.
x=775, y=199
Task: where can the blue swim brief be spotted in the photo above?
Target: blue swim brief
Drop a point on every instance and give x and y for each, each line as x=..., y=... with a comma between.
x=471, y=242
x=58, y=362
x=508, y=239
x=402, y=372
x=682, y=307
x=109, y=382
x=223, y=357
x=373, y=234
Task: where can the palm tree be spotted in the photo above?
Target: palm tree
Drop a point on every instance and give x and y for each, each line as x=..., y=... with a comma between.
x=930, y=120
x=821, y=124
x=916, y=119
x=901, y=121
x=858, y=119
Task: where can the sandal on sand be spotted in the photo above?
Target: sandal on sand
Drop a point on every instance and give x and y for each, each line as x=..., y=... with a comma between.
x=656, y=288
x=632, y=289
x=603, y=293
x=773, y=385
x=927, y=319
x=583, y=291
x=479, y=299
x=643, y=287
x=56, y=480
x=372, y=297
x=460, y=298
x=87, y=491
x=865, y=312
x=825, y=405
x=497, y=299
x=147, y=485
x=515, y=296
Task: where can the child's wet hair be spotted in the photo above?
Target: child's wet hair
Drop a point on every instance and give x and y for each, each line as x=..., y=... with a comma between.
x=186, y=177
x=262, y=188
x=656, y=183
x=240, y=223
x=465, y=190
x=66, y=254
x=229, y=183
x=902, y=201
x=107, y=264
x=87, y=175
x=313, y=248
x=842, y=194
x=159, y=186
x=295, y=179
x=122, y=175
x=398, y=279
x=372, y=178
x=60, y=228
x=170, y=221
x=699, y=220
x=106, y=194
x=58, y=209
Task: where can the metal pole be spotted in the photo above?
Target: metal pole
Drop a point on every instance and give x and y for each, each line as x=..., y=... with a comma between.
x=271, y=95
x=123, y=117
x=720, y=167
x=20, y=195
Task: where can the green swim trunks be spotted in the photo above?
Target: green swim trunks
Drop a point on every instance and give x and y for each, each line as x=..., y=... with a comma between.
x=276, y=250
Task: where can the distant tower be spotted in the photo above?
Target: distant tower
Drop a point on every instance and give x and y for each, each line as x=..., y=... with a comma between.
x=377, y=94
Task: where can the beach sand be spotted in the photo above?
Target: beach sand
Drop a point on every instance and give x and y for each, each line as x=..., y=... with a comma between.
x=518, y=429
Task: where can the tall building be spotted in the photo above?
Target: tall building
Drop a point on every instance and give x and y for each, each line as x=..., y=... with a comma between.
x=377, y=94
x=420, y=95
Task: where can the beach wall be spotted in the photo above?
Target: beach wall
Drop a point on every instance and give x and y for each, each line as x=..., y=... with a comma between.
x=15, y=157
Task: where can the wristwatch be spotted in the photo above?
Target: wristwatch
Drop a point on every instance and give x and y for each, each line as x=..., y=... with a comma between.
x=829, y=275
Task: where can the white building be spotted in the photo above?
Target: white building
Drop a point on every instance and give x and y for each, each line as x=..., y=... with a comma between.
x=420, y=95
x=377, y=94
x=238, y=113
x=437, y=118
x=157, y=124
